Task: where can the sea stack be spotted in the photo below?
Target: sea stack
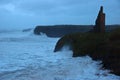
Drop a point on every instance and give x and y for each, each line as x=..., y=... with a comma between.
x=100, y=22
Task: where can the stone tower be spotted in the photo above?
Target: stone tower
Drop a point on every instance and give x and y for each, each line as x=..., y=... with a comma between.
x=100, y=22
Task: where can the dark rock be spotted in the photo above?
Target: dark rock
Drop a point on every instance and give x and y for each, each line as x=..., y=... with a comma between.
x=115, y=36
x=27, y=30
x=81, y=43
x=100, y=21
x=65, y=40
x=61, y=30
x=105, y=47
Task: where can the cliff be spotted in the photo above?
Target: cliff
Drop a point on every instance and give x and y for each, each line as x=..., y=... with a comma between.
x=61, y=30
x=99, y=46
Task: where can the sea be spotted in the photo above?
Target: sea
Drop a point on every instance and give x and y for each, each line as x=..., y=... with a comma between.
x=25, y=56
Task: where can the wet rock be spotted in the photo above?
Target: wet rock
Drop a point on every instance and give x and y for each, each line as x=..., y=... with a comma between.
x=104, y=47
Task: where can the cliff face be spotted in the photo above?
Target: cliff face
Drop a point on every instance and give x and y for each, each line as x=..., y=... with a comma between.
x=99, y=46
x=100, y=21
x=104, y=46
x=61, y=30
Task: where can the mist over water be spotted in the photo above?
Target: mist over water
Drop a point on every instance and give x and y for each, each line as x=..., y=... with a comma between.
x=25, y=56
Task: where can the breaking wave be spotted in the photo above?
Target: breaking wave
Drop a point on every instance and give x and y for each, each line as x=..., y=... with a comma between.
x=19, y=36
x=25, y=56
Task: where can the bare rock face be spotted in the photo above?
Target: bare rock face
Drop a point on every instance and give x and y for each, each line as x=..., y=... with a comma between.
x=100, y=22
x=65, y=40
x=61, y=30
x=99, y=46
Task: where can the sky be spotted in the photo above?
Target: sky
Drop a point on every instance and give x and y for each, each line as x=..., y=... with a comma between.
x=30, y=13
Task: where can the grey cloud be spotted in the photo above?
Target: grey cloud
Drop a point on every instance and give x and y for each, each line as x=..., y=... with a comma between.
x=37, y=6
x=6, y=1
x=40, y=6
x=33, y=12
x=52, y=6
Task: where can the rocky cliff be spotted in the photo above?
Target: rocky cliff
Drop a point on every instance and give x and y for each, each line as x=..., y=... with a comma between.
x=61, y=30
x=100, y=46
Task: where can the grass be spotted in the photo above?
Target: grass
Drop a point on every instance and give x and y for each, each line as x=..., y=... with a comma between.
x=82, y=43
x=100, y=46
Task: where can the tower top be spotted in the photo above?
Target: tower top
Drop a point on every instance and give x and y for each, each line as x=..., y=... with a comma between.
x=101, y=9
x=100, y=21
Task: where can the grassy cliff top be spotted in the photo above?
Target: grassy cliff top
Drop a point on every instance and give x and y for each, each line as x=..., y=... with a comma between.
x=100, y=46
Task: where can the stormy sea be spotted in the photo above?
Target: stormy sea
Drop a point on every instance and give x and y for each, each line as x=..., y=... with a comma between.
x=25, y=56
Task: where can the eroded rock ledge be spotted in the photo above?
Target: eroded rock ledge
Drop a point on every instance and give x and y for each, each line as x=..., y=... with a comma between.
x=99, y=46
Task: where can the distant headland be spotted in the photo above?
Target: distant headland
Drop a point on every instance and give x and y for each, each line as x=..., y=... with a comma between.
x=61, y=30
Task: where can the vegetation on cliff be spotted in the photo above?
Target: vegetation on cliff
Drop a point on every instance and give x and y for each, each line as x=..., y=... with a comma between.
x=61, y=30
x=100, y=46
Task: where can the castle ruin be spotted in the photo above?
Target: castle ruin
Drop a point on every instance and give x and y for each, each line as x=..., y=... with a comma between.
x=100, y=22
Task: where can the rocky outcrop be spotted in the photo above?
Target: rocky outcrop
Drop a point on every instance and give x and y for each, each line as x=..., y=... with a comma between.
x=99, y=46
x=61, y=30
x=27, y=30
x=100, y=21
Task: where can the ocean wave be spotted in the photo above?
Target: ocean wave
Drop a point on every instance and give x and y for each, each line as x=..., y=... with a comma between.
x=20, y=35
x=21, y=58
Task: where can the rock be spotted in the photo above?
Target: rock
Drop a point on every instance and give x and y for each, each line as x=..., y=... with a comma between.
x=100, y=21
x=99, y=46
x=27, y=30
x=61, y=30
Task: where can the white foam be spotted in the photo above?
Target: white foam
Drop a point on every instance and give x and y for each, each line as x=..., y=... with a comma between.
x=33, y=58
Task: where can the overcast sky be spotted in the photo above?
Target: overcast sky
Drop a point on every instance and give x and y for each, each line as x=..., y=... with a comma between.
x=29, y=13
